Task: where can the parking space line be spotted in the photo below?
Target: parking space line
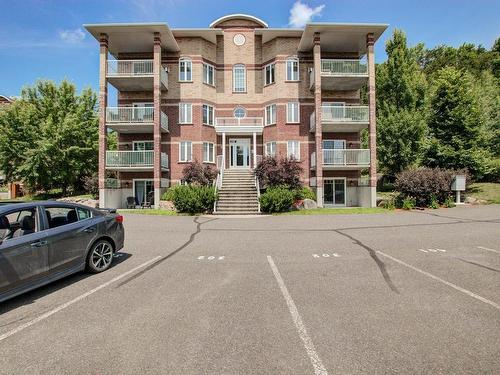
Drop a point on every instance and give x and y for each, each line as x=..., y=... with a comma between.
x=319, y=369
x=460, y=289
x=488, y=249
x=74, y=300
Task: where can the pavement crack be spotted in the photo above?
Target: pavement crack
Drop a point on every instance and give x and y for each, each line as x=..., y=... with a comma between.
x=161, y=260
x=479, y=265
x=380, y=264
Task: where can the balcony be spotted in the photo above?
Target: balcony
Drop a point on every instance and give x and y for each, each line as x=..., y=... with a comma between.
x=139, y=161
x=237, y=125
x=134, y=119
x=342, y=74
x=343, y=159
x=134, y=75
x=342, y=119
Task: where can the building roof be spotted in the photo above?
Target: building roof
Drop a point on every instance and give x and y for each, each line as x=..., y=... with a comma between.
x=239, y=16
x=6, y=99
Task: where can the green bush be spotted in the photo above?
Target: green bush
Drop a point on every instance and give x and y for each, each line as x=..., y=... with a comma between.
x=304, y=193
x=191, y=198
x=434, y=203
x=449, y=202
x=408, y=203
x=389, y=204
x=277, y=199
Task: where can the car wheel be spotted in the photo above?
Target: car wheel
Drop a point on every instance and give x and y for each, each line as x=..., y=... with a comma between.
x=100, y=257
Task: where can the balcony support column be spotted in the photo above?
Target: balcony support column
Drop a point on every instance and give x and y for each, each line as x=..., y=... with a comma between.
x=103, y=103
x=319, y=128
x=157, y=118
x=370, y=41
x=254, y=150
x=223, y=165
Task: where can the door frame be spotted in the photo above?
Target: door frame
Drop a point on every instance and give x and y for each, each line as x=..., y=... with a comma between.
x=345, y=191
x=141, y=179
x=239, y=141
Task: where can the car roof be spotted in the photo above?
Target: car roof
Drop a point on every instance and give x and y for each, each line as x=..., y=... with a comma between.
x=13, y=205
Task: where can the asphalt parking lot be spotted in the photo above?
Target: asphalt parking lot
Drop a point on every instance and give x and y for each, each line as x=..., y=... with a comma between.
x=406, y=292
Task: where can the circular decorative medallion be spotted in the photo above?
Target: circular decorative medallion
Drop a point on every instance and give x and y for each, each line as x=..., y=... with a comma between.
x=239, y=39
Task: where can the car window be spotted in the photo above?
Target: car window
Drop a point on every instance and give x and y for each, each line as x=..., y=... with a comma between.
x=18, y=223
x=60, y=215
x=83, y=213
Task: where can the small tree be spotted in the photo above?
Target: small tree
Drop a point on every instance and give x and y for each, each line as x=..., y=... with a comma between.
x=279, y=172
x=199, y=174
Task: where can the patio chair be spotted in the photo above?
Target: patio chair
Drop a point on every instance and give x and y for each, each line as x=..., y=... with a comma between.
x=130, y=202
x=150, y=200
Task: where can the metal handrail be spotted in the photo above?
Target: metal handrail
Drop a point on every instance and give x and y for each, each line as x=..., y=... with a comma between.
x=346, y=157
x=348, y=113
x=343, y=67
x=220, y=175
x=237, y=121
x=126, y=68
x=257, y=186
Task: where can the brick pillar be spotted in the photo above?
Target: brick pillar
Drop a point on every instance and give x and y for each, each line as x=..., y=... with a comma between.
x=319, y=128
x=370, y=41
x=103, y=103
x=157, y=117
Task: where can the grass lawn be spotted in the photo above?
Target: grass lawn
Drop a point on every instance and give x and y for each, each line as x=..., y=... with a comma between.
x=338, y=211
x=488, y=191
x=148, y=211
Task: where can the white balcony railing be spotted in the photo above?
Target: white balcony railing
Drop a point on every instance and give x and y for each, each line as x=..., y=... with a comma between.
x=133, y=159
x=130, y=68
x=346, y=157
x=312, y=121
x=334, y=67
x=237, y=121
x=134, y=115
x=358, y=113
x=313, y=159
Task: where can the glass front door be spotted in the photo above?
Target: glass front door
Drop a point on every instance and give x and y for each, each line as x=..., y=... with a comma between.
x=334, y=192
x=143, y=190
x=240, y=153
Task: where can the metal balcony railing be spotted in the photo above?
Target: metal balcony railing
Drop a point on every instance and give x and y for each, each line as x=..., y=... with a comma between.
x=346, y=157
x=358, y=113
x=133, y=159
x=334, y=67
x=127, y=68
x=134, y=115
x=237, y=121
x=312, y=121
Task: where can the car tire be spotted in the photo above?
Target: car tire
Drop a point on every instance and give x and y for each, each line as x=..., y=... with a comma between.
x=100, y=257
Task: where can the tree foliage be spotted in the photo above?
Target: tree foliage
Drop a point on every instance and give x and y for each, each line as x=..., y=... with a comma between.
x=49, y=137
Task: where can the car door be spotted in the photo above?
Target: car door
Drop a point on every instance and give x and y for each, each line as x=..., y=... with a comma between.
x=24, y=259
x=69, y=236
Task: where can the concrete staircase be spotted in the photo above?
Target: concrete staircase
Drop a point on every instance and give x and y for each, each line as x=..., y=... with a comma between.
x=238, y=194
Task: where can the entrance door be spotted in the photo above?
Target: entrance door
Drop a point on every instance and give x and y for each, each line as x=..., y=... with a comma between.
x=334, y=192
x=240, y=153
x=142, y=189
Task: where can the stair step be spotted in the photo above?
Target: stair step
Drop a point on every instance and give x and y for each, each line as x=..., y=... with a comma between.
x=237, y=204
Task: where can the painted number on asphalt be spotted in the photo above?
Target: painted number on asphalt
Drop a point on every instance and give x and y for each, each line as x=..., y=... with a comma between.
x=211, y=257
x=432, y=250
x=326, y=255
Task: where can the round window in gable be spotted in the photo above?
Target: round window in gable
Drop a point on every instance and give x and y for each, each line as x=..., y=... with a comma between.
x=240, y=112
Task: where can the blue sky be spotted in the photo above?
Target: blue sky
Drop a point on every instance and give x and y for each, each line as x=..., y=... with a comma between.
x=45, y=39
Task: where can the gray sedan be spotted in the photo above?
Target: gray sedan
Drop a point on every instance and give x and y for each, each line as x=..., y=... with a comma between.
x=41, y=242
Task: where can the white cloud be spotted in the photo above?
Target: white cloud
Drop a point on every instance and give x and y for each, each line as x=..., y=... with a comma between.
x=72, y=36
x=300, y=14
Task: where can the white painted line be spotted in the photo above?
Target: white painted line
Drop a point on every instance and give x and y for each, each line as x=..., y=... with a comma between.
x=442, y=250
x=319, y=369
x=488, y=249
x=460, y=289
x=75, y=300
x=336, y=255
x=425, y=251
x=432, y=250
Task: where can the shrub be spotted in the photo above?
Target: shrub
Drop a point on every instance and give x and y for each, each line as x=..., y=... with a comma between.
x=304, y=193
x=91, y=185
x=279, y=172
x=434, y=203
x=425, y=183
x=389, y=204
x=408, y=203
x=191, y=198
x=449, y=202
x=198, y=173
x=277, y=199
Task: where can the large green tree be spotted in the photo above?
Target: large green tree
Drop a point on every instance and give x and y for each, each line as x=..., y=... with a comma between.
x=401, y=106
x=49, y=137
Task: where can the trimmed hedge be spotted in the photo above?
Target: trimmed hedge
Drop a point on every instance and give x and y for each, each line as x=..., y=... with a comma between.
x=191, y=199
x=277, y=199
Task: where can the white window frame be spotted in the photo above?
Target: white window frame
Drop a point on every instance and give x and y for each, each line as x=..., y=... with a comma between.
x=206, y=69
x=210, y=152
x=185, y=158
x=272, y=74
x=186, y=109
x=240, y=108
x=296, y=150
x=244, y=88
x=271, y=149
x=272, y=116
x=134, y=143
x=184, y=62
x=291, y=117
x=210, y=118
x=290, y=77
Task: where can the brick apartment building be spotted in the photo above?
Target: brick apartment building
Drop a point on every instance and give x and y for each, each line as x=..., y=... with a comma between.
x=232, y=93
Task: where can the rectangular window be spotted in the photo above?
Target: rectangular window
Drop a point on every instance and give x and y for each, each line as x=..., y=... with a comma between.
x=18, y=223
x=293, y=149
x=271, y=114
x=208, y=114
x=271, y=149
x=185, y=113
x=239, y=78
x=269, y=74
x=293, y=112
x=185, y=151
x=292, y=70
x=185, y=70
x=143, y=145
x=208, y=74
x=208, y=152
